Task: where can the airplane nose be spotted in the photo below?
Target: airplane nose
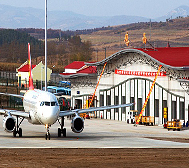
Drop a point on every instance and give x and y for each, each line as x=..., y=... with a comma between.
x=49, y=116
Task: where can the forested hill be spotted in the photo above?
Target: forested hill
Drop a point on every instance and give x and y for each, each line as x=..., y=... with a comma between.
x=13, y=46
x=9, y=35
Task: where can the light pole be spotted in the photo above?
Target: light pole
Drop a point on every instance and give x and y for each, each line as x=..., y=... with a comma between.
x=45, y=45
x=42, y=67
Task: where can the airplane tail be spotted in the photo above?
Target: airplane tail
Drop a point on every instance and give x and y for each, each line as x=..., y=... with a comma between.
x=30, y=69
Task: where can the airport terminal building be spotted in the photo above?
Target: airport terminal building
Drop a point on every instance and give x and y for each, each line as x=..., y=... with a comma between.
x=128, y=77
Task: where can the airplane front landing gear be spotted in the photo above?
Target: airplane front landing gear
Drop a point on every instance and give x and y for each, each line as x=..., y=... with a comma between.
x=47, y=135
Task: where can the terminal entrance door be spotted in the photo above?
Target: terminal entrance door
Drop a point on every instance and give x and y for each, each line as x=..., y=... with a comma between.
x=78, y=104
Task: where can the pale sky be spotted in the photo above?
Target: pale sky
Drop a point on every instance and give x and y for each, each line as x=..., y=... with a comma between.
x=145, y=8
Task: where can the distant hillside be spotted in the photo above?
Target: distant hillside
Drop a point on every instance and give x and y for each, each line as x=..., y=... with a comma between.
x=14, y=17
x=180, y=23
x=181, y=11
x=174, y=31
x=17, y=17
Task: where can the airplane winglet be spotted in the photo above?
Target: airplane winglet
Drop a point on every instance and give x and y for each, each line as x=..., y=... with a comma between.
x=31, y=87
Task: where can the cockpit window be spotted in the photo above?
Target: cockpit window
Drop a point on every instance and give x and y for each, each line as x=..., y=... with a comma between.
x=42, y=103
x=54, y=104
x=49, y=104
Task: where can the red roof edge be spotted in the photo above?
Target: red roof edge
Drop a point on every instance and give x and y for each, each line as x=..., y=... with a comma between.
x=25, y=68
x=75, y=65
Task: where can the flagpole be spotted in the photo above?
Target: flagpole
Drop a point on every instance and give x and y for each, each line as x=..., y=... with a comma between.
x=45, y=45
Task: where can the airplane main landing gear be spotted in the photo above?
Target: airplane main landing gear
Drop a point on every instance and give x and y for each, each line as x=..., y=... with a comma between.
x=47, y=135
x=61, y=130
x=18, y=130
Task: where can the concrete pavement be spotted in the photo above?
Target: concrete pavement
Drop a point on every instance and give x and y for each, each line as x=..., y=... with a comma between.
x=97, y=134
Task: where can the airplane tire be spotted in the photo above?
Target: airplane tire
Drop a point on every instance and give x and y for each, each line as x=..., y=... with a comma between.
x=64, y=132
x=47, y=136
x=59, y=132
x=20, y=132
x=14, y=133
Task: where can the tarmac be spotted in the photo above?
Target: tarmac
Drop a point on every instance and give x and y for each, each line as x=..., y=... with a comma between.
x=98, y=133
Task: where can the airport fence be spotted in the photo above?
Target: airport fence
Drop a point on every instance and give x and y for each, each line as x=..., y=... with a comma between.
x=10, y=102
x=8, y=75
x=10, y=79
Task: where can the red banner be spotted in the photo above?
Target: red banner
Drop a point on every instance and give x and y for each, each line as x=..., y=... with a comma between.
x=139, y=73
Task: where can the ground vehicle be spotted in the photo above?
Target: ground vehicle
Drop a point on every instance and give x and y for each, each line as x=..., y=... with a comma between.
x=64, y=103
x=148, y=120
x=63, y=96
x=59, y=91
x=145, y=120
x=175, y=125
x=131, y=116
x=66, y=84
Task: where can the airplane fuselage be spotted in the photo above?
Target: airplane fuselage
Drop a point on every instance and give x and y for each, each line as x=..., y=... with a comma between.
x=42, y=106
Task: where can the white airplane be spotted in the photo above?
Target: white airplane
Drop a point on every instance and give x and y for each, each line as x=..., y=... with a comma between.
x=41, y=108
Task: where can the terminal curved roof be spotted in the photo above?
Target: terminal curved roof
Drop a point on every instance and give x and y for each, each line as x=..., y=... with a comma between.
x=172, y=57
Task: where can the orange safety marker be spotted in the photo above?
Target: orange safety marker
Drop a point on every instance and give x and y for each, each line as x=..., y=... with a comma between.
x=91, y=100
x=148, y=95
x=97, y=85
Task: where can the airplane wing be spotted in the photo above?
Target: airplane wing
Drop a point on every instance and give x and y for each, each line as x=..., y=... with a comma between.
x=14, y=113
x=72, y=112
x=67, y=113
x=14, y=95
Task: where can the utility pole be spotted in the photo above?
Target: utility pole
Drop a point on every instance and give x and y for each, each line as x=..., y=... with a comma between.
x=97, y=55
x=150, y=29
x=120, y=39
x=105, y=53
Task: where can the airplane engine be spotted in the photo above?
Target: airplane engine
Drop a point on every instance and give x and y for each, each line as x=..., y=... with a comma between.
x=9, y=123
x=77, y=124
